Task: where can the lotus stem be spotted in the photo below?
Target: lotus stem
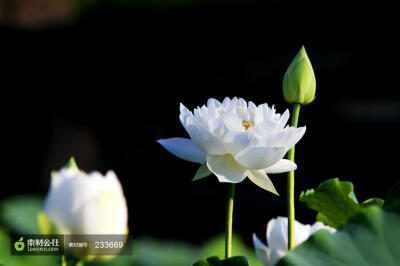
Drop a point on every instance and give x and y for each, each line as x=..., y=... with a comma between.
x=229, y=214
x=290, y=183
x=63, y=261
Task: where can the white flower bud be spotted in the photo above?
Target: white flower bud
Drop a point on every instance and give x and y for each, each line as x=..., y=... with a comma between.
x=81, y=203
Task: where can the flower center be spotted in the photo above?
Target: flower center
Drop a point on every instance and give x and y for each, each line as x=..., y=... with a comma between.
x=247, y=124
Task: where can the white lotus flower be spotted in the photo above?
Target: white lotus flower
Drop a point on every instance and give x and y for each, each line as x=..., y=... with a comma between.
x=80, y=203
x=277, y=230
x=236, y=139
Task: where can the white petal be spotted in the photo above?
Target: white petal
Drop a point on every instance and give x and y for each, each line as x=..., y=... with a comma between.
x=213, y=103
x=200, y=136
x=69, y=190
x=217, y=127
x=184, y=149
x=203, y=117
x=252, y=114
x=261, y=179
x=241, y=108
x=283, y=119
x=268, y=113
x=276, y=255
x=266, y=255
x=257, y=242
x=301, y=232
x=113, y=182
x=260, y=157
x=262, y=252
x=281, y=167
x=318, y=225
x=226, y=102
x=226, y=168
x=236, y=142
x=259, y=115
x=104, y=214
x=266, y=128
x=277, y=233
x=288, y=137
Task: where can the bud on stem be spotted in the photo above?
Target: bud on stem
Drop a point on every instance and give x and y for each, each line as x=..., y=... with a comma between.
x=299, y=81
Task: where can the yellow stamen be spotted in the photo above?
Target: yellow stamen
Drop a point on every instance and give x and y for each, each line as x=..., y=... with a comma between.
x=247, y=124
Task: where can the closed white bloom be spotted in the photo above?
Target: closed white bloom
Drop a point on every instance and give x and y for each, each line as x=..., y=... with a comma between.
x=81, y=203
x=236, y=139
x=277, y=231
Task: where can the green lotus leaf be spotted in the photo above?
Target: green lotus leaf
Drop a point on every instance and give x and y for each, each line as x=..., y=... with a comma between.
x=369, y=239
x=335, y=202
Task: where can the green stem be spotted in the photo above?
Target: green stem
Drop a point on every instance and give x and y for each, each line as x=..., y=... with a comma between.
x=63, y=261
x=229, y=213
x=80, y=263
x=290, y=183
x=71, y=261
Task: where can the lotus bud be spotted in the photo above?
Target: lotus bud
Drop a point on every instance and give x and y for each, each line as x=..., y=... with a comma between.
x=299, y=81
x=86, y=203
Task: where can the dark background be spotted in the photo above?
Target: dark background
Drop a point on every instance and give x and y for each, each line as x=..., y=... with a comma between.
x=107, y=84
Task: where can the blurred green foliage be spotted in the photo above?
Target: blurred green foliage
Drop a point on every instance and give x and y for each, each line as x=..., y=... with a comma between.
x=216, y=261
x=19, y=215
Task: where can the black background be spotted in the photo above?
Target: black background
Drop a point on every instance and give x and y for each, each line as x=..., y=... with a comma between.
x=106, y=87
